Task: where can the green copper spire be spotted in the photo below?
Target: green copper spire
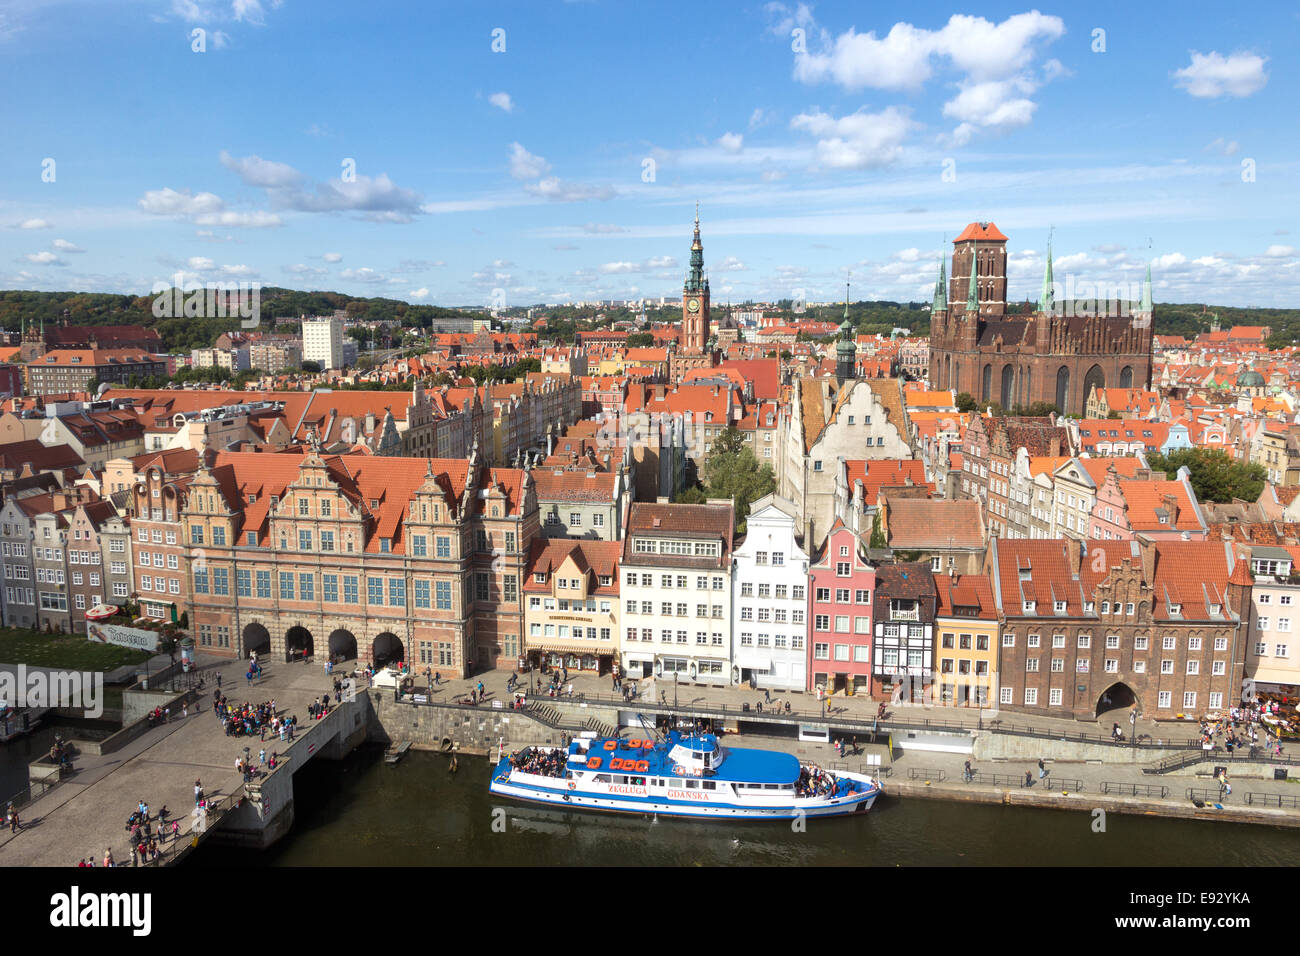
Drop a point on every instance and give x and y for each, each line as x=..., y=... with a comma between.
x=1145, y=307
x=1047, y=301
x=972, y=296
x=940, y=291
x=846, y=327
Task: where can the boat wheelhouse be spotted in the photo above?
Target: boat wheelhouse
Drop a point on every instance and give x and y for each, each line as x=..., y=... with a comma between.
x=682, y=775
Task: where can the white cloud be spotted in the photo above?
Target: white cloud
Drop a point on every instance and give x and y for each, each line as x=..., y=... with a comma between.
x=256, y=171
x=35, y=224
x=199, y=263
x=1213, y=75
x=759, y=117
x=364, y=274
x=249, y=10
x=43, y=259
x=64, y=246
x=502, y=101
x=1170, y=260
x=731, y=142
x=1276, y=252
x=602, y=228
x=556, y=189
x=898, y=61
x=237, y=270
x=333, y=257
x=661, y=262
x=302, y=269
x=617, y=268
x=379, y=198
x=860, y=140
x=220, y=39
x=995, y=58
x=524, y=165
x=729, y=264
x=1223, y=147
x=421, y=293
x=204, y=209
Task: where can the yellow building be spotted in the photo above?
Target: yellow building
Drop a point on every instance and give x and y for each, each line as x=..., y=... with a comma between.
x=965, y=641
x=571, y=610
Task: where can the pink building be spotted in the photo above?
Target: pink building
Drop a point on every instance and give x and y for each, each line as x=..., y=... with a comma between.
x=841, y=592
x=1158, y=510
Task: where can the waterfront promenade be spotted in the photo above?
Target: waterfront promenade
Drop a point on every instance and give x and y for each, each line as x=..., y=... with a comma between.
x=86, y=813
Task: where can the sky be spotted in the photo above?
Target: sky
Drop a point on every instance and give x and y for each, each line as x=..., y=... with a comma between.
x=554, y=152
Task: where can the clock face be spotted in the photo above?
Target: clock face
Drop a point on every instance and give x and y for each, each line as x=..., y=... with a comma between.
x=693, y=305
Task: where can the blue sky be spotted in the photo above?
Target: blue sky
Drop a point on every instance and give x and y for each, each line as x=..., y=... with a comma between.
x=567, y=165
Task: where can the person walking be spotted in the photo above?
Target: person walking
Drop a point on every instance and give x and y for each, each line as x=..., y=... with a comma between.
x=968, y=774
x=108, y=857
x=1029, y=778
x=1042, y=770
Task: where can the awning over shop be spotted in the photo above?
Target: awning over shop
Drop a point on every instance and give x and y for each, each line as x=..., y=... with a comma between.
x=1277, y=675
x=640, y=657
x=754, y=662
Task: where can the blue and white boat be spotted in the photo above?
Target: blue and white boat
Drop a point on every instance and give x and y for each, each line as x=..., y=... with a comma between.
x=683, y=776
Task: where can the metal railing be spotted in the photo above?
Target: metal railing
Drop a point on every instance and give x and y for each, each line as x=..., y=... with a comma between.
x=996, y=779
x=1273, y=799
x=1134, y=789
x=187, y=839
x=1179, y=761
x=1207, y=794
x=923, y=773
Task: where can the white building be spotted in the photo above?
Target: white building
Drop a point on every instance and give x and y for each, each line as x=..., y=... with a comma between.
x=769, y=600
x=322, y=341
x=676, y=593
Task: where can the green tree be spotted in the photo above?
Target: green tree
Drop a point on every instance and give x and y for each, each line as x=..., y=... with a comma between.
x=640, y=340
x=966, y=402
x=878, y=533
x=694, y=495
x=1214, y=474
x=732, y=471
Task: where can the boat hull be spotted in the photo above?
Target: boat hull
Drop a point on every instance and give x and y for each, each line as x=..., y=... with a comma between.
x=575, y=800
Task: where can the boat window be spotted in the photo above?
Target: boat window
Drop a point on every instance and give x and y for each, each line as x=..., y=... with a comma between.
x=710, y=785
x=692, y=785
x=636, y=781
x=771, y=786
x=601, y=778
x=674, y=784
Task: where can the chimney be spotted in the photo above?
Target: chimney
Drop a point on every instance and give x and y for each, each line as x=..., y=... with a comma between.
x=1056, y=445
x=1171, y=505
x=1074, y=555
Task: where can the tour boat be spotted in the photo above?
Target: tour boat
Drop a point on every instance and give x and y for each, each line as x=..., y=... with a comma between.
x=682, y=776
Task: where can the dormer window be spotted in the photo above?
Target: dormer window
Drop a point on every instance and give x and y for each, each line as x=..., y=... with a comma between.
x=1029, y=606
x=1058, y=607
x=1175, y=609
x=539, y=578
x=1216, y=609
x=385, y=545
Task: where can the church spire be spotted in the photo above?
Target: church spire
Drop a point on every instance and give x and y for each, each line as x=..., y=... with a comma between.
x=1145, y=307
x=1047, y=301
x=940, y=291
x=972, y=295
x=695, y=279
x=846, y=350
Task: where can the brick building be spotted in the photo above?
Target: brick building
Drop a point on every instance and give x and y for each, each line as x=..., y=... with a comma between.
x=1016, y=360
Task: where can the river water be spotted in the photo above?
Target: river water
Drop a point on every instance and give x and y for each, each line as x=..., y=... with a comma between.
x=363, y=812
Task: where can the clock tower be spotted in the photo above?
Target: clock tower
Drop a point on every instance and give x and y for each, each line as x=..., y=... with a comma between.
x=695, y=298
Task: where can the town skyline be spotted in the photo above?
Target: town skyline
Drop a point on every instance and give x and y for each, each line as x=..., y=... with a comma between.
x=858, y=142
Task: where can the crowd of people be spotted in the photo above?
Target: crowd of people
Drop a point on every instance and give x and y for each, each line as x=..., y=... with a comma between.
x=815, y=782
x=547, y=763
x=147, y=834
x=246, y=719
x=1254, y=725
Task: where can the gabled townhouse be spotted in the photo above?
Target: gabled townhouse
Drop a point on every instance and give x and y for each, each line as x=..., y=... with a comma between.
x=572, y=616
x=582, y=504
x=966, y=640
x=769, y=600
x=841, y=593
x=827, y=423
x=903, y=650
x=676, y=592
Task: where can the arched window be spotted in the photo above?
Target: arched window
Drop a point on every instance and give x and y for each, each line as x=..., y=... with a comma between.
x=1063, y=390
x=986, y=385
x=1008, y=385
